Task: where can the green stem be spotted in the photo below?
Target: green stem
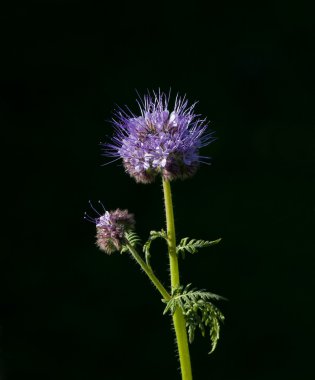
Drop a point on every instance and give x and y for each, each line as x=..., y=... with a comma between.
x=149, y=272
x=178, y=317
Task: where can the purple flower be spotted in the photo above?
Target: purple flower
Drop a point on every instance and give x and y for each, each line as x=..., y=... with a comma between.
x=160, y=140
x=111, y=228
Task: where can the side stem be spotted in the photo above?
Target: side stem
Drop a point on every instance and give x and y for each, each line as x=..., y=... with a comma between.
x=178, y=317
x=149, y=272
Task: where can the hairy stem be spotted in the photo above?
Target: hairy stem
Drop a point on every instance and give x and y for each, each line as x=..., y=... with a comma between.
x=149, y=272
x=178, y=317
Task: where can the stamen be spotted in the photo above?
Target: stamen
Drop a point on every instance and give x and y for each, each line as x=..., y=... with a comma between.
x=102, y=205
x=94, y=209
x=89, y=218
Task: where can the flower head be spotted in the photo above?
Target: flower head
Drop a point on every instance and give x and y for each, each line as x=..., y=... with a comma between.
x=160, y=141
x=111, y=228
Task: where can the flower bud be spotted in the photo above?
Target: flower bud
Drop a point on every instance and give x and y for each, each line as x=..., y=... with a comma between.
x=111, y=228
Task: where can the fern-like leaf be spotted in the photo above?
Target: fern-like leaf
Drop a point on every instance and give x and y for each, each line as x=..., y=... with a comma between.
x=193, y=245
x=132, y=238
x=198, y=311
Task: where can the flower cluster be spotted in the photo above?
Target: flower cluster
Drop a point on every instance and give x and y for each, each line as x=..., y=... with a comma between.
x=111, y=228
x=159, y=141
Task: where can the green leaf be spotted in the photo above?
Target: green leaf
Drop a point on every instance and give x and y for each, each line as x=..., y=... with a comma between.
x=198, y=312
x=132, y=238
x=193, y=245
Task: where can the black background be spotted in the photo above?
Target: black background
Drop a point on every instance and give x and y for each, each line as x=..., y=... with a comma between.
x=70, y=312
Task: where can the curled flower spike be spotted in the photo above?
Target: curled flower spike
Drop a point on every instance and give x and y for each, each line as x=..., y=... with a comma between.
x=160, y=141
x=111, y=228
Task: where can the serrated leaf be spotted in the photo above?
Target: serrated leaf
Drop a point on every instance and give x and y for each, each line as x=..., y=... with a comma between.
x=198, y=311
x=193, y=245
x=132, y=238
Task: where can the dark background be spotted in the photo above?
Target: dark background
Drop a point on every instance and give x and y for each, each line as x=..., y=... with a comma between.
x=69, y=311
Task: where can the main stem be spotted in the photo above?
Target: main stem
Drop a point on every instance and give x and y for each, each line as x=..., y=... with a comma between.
x=178, y=317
